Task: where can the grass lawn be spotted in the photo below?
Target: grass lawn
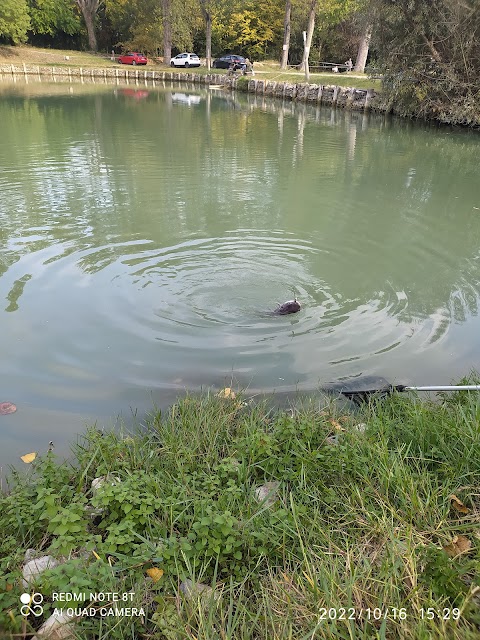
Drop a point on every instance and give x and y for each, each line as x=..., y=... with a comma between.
x=370, y=529
x=264, y=70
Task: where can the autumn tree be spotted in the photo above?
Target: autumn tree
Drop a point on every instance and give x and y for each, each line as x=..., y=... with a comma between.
x=254, y=28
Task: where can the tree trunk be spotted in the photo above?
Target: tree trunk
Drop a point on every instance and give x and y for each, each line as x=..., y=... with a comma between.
x=286, y=34
x=308, y=40
x=167, y=31
x=89, y=10
x=208, y=33
x=362, y=53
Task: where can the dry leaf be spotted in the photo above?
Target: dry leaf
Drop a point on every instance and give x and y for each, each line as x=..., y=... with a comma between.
x=226, y=393
x=458, y=505
x=6, y=408
x=308, y=579
x=8, y=587
x=336, y=425
x=460, y=544
x=28, y=457
x=155, y=573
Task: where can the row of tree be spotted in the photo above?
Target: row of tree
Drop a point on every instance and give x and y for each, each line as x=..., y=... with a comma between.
x=259, y=30
x=428, y=52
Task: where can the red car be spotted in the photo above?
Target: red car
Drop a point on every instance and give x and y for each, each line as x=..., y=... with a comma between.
x=133, y=58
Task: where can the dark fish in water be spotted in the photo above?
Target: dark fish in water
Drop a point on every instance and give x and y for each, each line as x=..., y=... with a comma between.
x=291, y=306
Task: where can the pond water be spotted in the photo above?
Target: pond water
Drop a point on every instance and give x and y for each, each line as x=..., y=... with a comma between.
x=145, y=232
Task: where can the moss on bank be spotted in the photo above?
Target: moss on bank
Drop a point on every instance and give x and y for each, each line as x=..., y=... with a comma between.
x=360, y=538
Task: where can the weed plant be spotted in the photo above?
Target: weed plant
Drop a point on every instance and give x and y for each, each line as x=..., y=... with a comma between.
x=373, y=531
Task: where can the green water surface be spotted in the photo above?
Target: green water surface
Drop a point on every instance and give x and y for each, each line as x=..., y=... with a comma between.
x=146, y=232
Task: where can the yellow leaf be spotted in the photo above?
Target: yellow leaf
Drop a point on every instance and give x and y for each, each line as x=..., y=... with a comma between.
x=8, y=587
x=226, y=393
x=459, y=544
x=458, y=505
x=96, y=555
x=28, y=457
x=155, y=573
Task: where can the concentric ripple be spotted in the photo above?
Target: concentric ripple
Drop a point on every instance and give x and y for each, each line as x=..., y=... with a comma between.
x=207, y=287
x=205, y=306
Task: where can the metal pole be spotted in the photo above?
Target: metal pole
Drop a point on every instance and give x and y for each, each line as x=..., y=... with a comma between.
x=465, y=387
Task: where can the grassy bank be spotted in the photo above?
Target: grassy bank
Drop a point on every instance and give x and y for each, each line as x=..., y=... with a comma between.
x=19, y=55
x=371, y=532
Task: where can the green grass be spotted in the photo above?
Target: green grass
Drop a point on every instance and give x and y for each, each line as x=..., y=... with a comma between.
x=357, y=531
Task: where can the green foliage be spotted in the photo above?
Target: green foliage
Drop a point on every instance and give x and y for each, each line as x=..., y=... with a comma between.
x=139, y=24
x=430, y=57
x=10, y=574
x=218, y=536
x=50, y=17
x=329, y=41
x=46, y=494
x=446, y=576
x=129, y=509
x=14, y=20
x=361, y=522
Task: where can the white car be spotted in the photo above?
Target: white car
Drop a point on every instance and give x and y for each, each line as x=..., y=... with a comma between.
x=185, y=60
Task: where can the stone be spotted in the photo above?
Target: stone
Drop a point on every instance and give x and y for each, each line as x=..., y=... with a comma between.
x=30, y=554
x=35, y=567
x=97, y=483
x=57, y=627
x=267, y=492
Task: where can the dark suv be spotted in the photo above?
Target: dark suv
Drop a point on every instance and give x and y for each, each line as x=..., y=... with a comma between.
x=224, y=62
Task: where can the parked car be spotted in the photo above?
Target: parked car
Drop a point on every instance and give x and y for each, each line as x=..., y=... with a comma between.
x=133, y=58
x=185, y=60
x=225, y=61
